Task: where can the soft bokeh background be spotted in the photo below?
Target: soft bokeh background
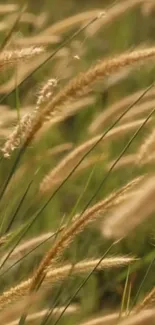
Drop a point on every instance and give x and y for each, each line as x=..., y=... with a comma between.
x=134, y=28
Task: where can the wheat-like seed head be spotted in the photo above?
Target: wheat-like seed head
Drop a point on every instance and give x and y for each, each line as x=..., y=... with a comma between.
x=147, y=302
x=146, y=317
x=45, y=93
x=82, y=83
x=17, y=135
x=59, y=273
x=77, y=225
x=146, y=148
x=10, y=57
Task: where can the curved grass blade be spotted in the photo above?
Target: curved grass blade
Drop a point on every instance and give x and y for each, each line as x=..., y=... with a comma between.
x=23, y=317
x=13, y=28
x=106, y=176
x=143, y=281
x=60, y=227
x=91, y=149
x=18, y=207
x=59, y=292
x=40, y=66
x=117, y=160
x=80, y=287
x=25, y=230
x=15, y=164
x=51, y=56
x=32, y=250
x=124, y=293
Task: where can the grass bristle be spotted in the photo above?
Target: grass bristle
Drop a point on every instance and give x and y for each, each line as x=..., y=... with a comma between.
x=77, y=176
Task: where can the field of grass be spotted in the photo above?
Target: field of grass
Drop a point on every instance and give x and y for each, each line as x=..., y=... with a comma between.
x=77, y=207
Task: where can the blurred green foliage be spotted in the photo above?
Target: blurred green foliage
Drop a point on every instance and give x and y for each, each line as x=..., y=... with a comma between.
x=132, y=29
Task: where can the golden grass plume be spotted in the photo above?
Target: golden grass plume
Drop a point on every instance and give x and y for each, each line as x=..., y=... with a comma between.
x=75, y=87
x=133, y=212
x=77, y=225
x=38, y=315
x=147, y=148
x=9, y=57
x=147, y=302
x=56, y=274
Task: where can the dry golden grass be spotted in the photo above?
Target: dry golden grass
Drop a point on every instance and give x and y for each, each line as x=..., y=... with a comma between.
x=114, y=13
x=132, y=213
x=68, y=23
x=57, y=175
x=77, y=225
x=108, y=16
x=56, y=274
x=147, y=302
x=24, y=71
x=74, y=88
x=58, y=101
x=11, y=57
x=7, y=8
x=28, y=18
x=147, y=147
x=146, y=317
x=39, y=315
x=115, y=109
x=109, y=319
x=67, y=111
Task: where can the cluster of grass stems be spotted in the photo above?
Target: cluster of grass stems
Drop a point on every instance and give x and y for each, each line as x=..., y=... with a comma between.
x=37, y=179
